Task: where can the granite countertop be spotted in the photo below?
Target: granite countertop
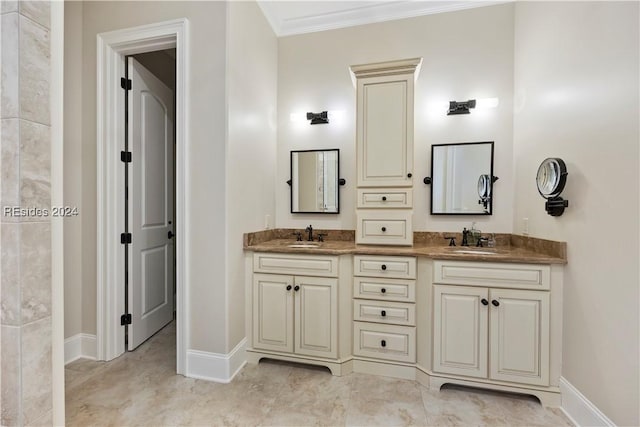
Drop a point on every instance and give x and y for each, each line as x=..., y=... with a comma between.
x=509, y=248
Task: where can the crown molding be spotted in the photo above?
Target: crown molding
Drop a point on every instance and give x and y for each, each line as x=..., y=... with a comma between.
x=366, y=14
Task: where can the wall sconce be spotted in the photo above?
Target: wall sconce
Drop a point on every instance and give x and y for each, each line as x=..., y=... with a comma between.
x=460, y=107
x=318, y=118
x=551, y=178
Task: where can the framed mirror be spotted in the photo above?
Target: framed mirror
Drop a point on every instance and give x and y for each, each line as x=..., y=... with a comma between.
x=462, y=178
x=315, y=181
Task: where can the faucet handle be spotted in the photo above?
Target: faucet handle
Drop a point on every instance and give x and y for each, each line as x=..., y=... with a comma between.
x=298, y=236
x=480, y=240
x=452, y=240
x=321, y=237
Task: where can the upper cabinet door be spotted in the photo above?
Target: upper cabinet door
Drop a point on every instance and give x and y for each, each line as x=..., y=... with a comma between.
x=385, y=131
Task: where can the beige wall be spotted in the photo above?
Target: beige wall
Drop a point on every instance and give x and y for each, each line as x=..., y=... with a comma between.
x=73, y=258
x=162, y=64
x=251, y=145
x=244, y=160
x=576, y=97
x=206, y=159
x=466, y=54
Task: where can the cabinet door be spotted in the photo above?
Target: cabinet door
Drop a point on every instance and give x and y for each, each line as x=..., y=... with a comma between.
x=385, y=131
x=519, y=331
x=273, y=312
x=460, y=328
x=316, y=316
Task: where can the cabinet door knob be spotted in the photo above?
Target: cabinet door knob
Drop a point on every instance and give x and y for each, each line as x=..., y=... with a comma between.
x=297, y=288
x=496, y=303
x=383, y=290
x=384, y=198
x=383, y=343
x=484, y=301
x=384, y=267
x=383, y=313
x=289, y=287
x=384, y=229
x=409, y=175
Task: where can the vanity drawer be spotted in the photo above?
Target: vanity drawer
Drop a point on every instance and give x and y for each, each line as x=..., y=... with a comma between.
x=495, y=275
x=388, y=342
x=384, y=266
x=301, y=265
x=395, y=313
x=386, y=227
x=384, y=289
x=385, y=198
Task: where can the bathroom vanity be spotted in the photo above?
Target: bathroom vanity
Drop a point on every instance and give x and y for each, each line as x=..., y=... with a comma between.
x=383, y=299
x=479, y=317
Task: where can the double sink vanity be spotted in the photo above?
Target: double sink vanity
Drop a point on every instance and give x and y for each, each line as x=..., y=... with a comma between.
x=483, y=317
x=387, y=300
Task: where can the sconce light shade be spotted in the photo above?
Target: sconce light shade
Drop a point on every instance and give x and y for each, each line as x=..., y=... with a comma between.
x=460, y=107
x=318, y=118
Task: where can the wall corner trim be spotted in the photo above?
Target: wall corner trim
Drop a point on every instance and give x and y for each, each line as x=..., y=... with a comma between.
x=220, y=368
x=579, y=409
x=80, y=346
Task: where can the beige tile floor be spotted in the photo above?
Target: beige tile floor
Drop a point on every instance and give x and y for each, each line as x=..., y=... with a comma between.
x=141, y=388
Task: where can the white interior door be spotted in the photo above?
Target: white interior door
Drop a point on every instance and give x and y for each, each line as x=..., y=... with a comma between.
x=151, y=254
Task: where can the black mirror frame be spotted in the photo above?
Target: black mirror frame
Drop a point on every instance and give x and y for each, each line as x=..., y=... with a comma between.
x=339, y=181
x=429, y=180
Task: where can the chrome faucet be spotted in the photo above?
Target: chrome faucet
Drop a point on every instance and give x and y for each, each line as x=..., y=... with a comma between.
x=309, y=230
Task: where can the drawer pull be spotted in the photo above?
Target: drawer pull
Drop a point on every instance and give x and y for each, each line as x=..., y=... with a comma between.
x=383, y=343
x=289, y=287
x=383, y=313
x=409, y=175
x=496, y=303
x=384, y=229
x=384, y=266
x=383, y=290
x=297, y=288
x=484, y=301
x=384, y=198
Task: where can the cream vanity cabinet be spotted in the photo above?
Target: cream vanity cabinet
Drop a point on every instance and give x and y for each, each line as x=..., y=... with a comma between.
x=384, y=151
x=384, y=311
x=492, y=322
x=295, y=308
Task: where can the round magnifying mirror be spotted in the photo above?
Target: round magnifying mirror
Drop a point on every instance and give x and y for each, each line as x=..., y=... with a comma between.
x=551, y=177
x=484, y=186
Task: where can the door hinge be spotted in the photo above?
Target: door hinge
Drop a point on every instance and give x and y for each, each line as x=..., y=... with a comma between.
x=125, y=238
x=125, y=319
x=125, y=83
x=125, y=156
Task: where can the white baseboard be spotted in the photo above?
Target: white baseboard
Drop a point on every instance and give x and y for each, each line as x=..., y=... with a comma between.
x=216, y=367
x=579, y=409
x=80, y=346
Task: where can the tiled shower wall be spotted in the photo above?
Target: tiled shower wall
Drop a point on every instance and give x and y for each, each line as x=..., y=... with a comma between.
x=25, y=237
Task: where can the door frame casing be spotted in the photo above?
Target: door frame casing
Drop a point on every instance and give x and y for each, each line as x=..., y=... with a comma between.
x=112, y=47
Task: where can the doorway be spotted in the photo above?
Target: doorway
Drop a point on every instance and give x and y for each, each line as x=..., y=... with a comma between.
x=149, y=195
x=113, y=48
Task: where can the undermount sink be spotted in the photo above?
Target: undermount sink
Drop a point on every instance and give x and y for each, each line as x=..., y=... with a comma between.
x=474, y=252
x=304, y=245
